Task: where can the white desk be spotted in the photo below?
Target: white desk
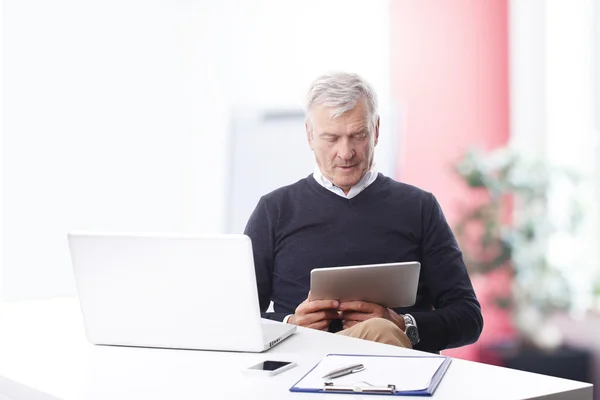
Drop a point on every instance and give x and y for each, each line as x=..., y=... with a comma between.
x=42, y=346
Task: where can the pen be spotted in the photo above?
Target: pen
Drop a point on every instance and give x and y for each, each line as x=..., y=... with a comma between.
x=350, y=369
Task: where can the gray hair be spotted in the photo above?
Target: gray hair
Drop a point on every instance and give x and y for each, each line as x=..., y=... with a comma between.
x=341, y=91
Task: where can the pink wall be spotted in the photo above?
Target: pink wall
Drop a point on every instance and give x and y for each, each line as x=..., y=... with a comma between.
x=450, y=81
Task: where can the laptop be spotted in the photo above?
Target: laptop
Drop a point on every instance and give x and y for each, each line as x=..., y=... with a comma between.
x=171, y=291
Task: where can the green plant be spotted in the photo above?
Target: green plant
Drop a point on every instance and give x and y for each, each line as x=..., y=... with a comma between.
x=508, y=226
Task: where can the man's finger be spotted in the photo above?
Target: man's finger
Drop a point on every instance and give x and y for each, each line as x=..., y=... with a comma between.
x=329, y=314
x=361, y=306
x=318, y=305
x=325, y=315
x=311, y=307
x=320, y=325
x=355, y=316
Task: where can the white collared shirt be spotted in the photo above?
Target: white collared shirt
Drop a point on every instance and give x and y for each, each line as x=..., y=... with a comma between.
x=366, y=180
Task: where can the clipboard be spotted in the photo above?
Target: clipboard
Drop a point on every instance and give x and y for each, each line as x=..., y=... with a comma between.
x=383, y=375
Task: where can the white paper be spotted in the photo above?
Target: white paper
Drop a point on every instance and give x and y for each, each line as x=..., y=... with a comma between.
x=406, y=373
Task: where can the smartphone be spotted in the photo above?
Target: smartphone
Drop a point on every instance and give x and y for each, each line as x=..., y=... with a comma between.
x=271, y=367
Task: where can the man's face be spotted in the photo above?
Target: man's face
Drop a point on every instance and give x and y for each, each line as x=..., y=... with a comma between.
x=343, y=146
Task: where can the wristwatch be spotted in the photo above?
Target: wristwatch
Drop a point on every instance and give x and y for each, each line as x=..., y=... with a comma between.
x=410, y=328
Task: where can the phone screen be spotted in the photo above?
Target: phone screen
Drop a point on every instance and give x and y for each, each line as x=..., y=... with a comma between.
x=270, y=365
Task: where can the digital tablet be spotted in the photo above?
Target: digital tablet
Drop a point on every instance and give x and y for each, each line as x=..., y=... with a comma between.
x=390, y=285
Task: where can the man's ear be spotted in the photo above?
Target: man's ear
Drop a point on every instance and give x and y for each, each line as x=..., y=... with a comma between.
x=377, y=131
x=308, y=135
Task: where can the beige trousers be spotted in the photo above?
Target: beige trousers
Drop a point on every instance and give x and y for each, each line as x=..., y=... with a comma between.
x=378, y=330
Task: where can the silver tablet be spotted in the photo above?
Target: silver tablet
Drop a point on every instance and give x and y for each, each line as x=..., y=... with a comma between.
x=390, y=285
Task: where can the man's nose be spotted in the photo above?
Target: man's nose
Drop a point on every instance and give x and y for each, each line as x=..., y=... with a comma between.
x=345, y=151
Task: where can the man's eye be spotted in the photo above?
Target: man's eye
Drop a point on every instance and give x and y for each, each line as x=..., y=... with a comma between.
x=331, y=138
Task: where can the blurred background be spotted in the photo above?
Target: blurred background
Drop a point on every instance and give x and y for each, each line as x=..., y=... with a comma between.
x=176, y=116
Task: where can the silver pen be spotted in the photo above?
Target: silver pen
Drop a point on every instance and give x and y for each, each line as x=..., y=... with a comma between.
x=350, y=369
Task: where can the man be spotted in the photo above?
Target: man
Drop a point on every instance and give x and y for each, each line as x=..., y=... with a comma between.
x=346, y=213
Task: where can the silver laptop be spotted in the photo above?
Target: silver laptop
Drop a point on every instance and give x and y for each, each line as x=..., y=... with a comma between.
x=171, y=291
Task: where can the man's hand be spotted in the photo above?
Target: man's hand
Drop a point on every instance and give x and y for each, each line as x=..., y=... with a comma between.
x=315, y=314
x=354, y=312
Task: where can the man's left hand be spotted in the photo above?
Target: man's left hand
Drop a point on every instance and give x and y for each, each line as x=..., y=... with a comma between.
x=354, y=312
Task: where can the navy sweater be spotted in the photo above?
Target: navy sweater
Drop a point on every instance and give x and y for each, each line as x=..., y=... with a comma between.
x=303, y=226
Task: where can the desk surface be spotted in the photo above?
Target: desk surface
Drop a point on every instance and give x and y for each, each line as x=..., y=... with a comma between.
x=43, y=346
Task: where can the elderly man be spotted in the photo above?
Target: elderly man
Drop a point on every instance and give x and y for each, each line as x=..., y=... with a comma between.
x=346, y=213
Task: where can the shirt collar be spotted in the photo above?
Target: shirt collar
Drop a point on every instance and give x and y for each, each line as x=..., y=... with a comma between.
x=360, y=186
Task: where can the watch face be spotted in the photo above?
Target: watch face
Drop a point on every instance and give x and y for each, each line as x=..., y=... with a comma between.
x=413, y=334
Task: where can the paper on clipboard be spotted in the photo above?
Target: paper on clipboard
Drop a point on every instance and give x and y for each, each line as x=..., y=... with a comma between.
x=406, y=373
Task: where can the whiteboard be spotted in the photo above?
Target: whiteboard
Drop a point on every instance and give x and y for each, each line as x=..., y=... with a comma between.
x=268, y=150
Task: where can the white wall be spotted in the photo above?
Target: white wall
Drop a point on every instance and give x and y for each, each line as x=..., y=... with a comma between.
x=527, y=80
x=1, y=135
x=553, y=114
x=572, y=139
x=117, y=113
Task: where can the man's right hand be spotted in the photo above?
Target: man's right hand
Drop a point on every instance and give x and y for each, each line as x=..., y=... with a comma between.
x=315, y=314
